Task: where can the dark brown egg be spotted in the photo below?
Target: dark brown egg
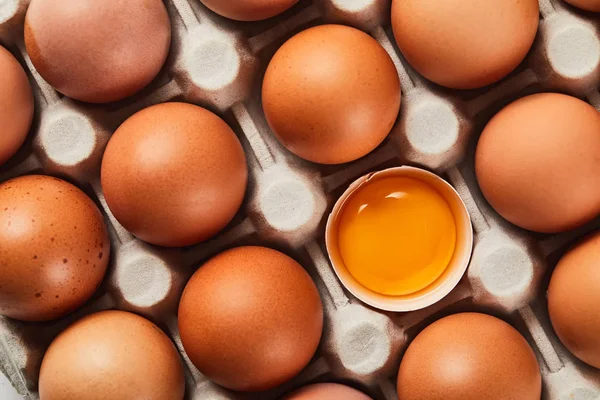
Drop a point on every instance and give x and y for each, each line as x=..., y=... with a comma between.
x=331, y=94
x=250, y=318
x=16, y=105
x=574, y=300
x=174, y=174
x=54, y=248
x=98, y=51
x=537, y=162
x=469, y=356
x=465, y=44
x=327, y=391
x=589, y=5
x=112, y=355
x=249, y=10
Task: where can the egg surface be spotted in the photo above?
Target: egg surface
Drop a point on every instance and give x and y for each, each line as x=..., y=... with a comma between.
x=589, y=5
x=465, y=44
x=537, y=162
x=16, y=105
x=249, y=10
x=174, y=174
x=54, y=248
x=98, y=51
x=331, y=94
x=250, y=318
x=327, y=391
x=574, y=300
x=112, y=355
x=469, y=356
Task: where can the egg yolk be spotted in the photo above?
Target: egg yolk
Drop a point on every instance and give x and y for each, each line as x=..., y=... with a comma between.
x=396, y=235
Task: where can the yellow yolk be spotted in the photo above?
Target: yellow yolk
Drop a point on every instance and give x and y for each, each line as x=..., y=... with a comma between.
x=396, y=235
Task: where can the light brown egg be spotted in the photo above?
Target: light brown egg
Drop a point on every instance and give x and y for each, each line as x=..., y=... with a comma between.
x=54, y=248
x=16, y=105
x=589, y=5
x=327, y=391
x=174, y=174
x=249, y=10
x=250, y=318
x=469, y=356
x=574, y=300
x=465, y=44
x=112, y=355
x=98, y=51
x=331, y=94
x=537, y=162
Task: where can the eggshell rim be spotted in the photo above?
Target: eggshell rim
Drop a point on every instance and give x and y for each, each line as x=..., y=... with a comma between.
x=458, y=265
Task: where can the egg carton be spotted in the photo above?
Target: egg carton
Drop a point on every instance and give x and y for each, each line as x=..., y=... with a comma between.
x=218, y=64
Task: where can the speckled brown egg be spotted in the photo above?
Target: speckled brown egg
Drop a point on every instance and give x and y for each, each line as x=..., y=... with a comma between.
x=465, y=44
x=469, y=356
x=574, y=300
x=98, y=51
x=537, y=162
x=16, y=105
x=112, y=355
x=249, y=10
x=250, y=318
x=589, y=5
x=174, y=174
x=331, y=94
x=54, y=248
x=327, y=391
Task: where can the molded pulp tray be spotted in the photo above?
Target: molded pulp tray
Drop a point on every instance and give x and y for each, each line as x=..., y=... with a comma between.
x=219, y=64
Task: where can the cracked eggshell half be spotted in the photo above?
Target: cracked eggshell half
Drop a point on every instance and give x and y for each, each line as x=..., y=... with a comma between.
x=453, y=272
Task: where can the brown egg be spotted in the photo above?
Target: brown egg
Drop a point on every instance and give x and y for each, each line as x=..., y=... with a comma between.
x=327, y=391
x=469, y=356
x=249, y=10
x=16, y=105
x=465, y=44
x=537, y=162
x=250, y=318
x=54, y=248
x=174, y=174
x=98, y=51
x=112, y=355
x=574, y=300
x=589, y=5
x=331, y=94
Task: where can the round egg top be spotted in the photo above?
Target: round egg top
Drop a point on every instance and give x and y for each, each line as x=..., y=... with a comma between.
x=327, y=391
x=249, y=10
x=250, y=318
x=174, y=174
x=589, y=5
x=54, y=248
x=331, y=94
x=16, y=105
x=537, y=162
x=112, y=355
x=98, y=51
x=465, y=44
x=574, y=300
x=469, y=356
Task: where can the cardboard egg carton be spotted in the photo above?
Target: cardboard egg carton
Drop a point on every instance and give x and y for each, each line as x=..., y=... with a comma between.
x=218, y=64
